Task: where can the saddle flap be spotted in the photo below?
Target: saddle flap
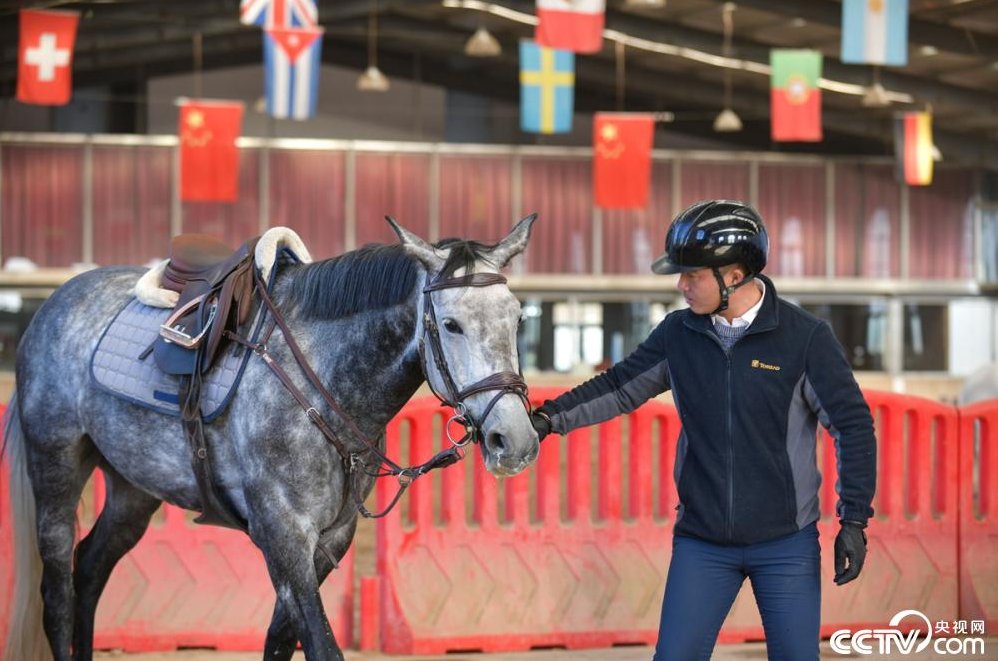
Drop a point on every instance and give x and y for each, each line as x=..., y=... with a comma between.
x=223, y=294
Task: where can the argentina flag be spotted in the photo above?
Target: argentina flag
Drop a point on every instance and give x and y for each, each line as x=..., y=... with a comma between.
x=875, y=32
x=547, y=88
x=292, y=60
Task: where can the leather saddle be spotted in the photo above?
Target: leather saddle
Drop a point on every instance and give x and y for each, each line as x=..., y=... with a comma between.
x=216, y=294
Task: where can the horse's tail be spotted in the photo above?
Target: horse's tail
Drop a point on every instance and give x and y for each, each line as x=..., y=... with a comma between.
x=25, y=634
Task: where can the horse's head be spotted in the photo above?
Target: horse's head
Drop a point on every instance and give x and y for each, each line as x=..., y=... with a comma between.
x=466, y=328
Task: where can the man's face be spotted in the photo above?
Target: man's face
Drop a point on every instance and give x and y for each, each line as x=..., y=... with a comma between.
x=700, y=290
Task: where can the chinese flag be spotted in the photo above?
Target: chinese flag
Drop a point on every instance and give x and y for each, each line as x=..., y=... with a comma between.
x=45, y=57
x=913, y=148
x=573, y=25
x=209, y=159
x=795, y=97
x=622, y=159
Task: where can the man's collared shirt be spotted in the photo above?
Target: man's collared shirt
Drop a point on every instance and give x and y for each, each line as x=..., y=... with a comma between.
x=750, y=314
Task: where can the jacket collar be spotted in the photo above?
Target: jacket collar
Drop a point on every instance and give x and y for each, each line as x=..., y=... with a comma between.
x=767, y=319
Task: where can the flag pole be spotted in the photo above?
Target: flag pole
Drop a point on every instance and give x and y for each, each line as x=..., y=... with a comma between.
x=197, y=44
x=621, y=88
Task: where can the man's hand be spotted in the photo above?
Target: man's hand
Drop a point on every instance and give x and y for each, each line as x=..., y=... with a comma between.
x=850, y=544
x=541, y=422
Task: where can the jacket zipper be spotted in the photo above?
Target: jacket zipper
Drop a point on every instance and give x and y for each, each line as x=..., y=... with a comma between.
x=729, y=515
x=731, y=457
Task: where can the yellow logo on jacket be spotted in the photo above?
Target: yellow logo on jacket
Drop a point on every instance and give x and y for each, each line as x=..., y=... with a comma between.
x=758, y=364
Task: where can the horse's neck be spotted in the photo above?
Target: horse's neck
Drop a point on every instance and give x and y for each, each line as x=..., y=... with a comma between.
x=368, y=362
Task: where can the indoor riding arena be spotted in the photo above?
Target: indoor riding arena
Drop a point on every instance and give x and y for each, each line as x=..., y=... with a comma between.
x=498, y=330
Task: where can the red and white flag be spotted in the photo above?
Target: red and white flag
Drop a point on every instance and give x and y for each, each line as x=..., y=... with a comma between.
x=574, y=25
x=209, y=158
x=45, y=56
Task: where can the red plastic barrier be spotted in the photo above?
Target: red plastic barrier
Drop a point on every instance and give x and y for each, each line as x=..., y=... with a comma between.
x=184, y=585
x=6, y=547
x=978, y=518
x=912, y=560
x=578, y=554
x=530, y=561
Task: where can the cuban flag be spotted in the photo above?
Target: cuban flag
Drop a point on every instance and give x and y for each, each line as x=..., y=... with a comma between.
x=279, y=13
x=292, y=62
x=875, y=32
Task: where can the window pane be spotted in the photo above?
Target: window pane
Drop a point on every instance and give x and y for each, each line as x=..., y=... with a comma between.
x=867, y=221
x=860, y=329
x=926, y=345
x=792, y=202
x=989, y=243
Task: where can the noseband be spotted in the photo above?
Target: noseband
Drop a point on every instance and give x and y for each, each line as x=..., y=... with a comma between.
x=505, y=383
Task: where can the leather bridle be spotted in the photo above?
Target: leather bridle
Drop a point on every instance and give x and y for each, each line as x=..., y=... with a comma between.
x=355, y=461
x=505, y=383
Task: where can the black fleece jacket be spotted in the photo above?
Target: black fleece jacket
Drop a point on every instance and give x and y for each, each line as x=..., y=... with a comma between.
x=746, y=466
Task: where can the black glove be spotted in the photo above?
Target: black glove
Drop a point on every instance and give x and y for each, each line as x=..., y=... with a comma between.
x=850, y=544
x=541, y=422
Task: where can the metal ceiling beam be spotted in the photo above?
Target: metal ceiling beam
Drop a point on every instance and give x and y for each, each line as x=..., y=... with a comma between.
x=925, y=91
x=921, y=32
x=599, y=72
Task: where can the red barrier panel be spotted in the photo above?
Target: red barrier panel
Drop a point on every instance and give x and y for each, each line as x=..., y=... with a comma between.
x=912, y=559
x=978, y=521
x=6, y=547
x=183, y=585
x=572, y=553
x=575, y=552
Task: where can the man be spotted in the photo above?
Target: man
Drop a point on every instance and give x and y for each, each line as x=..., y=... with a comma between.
x=751, y=376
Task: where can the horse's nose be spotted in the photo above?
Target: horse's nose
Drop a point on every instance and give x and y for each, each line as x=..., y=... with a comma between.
x=496, y=444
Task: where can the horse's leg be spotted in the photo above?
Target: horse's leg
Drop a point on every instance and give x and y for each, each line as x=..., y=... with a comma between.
x=59, y=472
x=121, y=524
x=281, y=638
x=289, y=546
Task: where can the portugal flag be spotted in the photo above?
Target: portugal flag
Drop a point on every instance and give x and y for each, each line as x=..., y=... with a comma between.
x=209, y=158
x=913, y=148
x=622, y=159
x=795, y=98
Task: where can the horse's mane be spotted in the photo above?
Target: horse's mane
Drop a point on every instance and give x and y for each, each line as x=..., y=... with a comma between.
x=374, y=277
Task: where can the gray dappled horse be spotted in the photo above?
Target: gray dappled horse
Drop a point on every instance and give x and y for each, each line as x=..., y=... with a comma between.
x=358, y=319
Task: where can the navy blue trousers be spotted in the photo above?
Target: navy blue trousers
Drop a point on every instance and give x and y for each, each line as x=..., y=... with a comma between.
x=704, y=580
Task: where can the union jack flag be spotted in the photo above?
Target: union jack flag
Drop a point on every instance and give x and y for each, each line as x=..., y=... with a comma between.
x=279, y=13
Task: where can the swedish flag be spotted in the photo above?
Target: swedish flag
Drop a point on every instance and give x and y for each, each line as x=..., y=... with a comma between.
x=547, y=88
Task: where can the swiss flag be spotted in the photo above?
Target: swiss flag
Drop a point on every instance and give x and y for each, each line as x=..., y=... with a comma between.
x=573, y=25
x=209, y=158
x=622, y=159
x=45, y=56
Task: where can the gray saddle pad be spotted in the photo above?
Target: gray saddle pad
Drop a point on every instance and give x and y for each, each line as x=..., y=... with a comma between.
x=118, y=368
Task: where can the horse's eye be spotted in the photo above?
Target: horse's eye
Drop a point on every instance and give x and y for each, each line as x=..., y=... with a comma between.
x=452, y=326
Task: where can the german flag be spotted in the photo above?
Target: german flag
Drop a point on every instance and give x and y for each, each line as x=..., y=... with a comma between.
x=913, y=148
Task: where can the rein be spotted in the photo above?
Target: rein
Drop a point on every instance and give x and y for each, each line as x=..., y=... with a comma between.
x=355, y=463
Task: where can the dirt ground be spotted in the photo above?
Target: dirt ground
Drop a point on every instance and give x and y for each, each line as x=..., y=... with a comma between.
x=745, y=652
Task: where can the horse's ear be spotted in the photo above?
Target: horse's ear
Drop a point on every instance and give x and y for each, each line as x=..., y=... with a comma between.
x=514, y=243
x=431, y=258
